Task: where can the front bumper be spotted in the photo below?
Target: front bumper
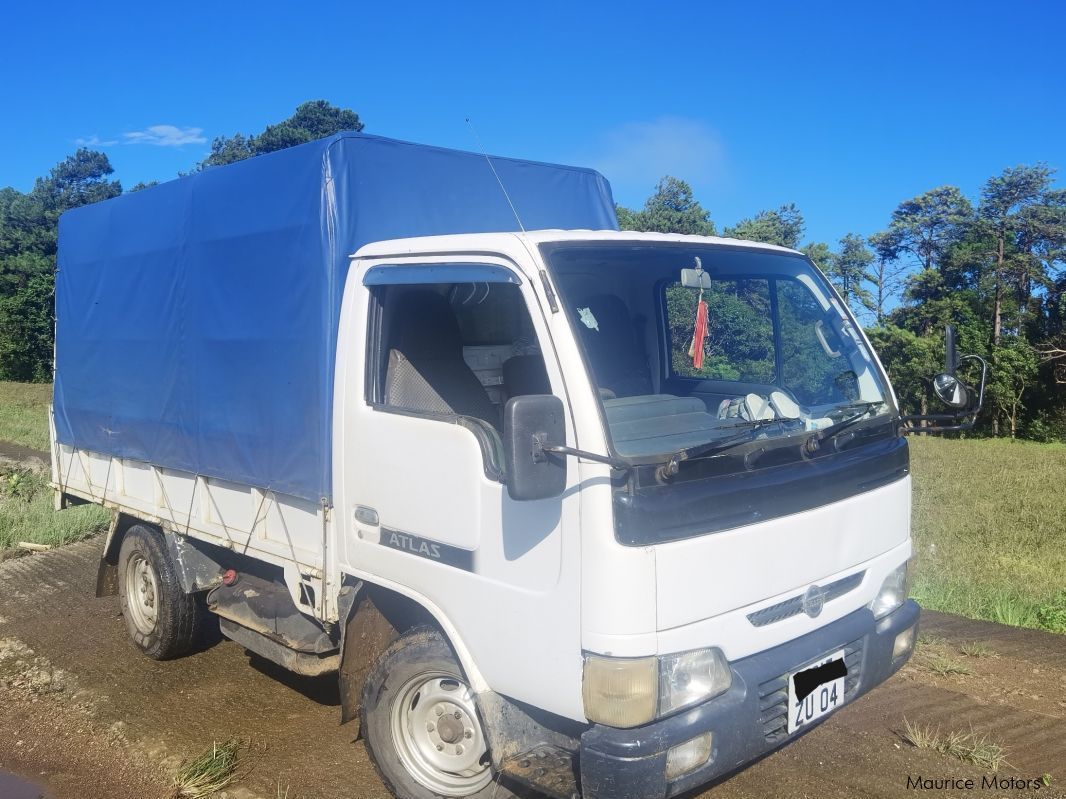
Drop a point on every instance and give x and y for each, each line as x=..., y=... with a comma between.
x=747, y=721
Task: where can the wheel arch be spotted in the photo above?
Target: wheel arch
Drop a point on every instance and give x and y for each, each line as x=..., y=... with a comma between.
x=374, y=613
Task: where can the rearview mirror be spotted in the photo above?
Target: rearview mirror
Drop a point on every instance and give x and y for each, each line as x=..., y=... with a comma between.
x=531, y=423
x=695, y=279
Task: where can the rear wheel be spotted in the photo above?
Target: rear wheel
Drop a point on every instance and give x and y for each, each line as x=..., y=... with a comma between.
x=420, y=723
x=163, y=621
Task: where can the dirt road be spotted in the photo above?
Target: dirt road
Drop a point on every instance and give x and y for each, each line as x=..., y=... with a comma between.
x=85, y=716
x=20, y=456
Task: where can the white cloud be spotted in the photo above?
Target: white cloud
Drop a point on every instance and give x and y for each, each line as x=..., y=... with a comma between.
x=635, y=155
x=165, y=136
x=94, y=141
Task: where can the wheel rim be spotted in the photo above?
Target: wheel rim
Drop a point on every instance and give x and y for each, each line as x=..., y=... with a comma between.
x=142, y=594
x=438, y=735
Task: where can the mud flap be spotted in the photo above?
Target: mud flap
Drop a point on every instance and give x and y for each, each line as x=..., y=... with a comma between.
x=366, y=635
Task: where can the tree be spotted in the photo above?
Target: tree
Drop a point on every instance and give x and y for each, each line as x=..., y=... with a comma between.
x=925, y=225
x=849, y=269
x=27, y=258
x=909, y=359
x=1014, y=374
x=78, y=179
x=315, y=119
x=1006, y=202
x=886, y=274
x=628, y=219
x=820, y=253
x=670, y=209
x=783, y=227
x=27, y=328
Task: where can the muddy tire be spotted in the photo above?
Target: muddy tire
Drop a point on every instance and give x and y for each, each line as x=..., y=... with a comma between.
x=163, y=621
x=420, y=725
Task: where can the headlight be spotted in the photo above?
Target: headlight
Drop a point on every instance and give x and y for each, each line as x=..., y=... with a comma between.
x=691, y=677
x=628, y=692
x=893, y=591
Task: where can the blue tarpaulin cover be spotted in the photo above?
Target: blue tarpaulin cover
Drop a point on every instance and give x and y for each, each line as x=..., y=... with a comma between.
x=196, y=321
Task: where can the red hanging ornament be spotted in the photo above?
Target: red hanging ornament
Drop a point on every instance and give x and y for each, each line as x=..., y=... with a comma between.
x=695, y=351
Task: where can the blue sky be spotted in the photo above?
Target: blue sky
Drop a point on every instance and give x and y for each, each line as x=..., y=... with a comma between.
x=845, y=109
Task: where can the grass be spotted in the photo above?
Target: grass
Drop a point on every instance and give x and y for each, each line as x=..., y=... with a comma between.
x=26, y=513
x=24, y=413
x=979, y=750
x=936, y=656
x=977, y=649
x=943, y=665
x=210, y=772
x=989, y=530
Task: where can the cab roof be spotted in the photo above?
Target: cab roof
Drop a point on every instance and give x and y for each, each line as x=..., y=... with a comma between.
x=505, y=242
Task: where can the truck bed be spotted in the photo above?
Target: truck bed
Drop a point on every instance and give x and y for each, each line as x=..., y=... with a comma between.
x=277, y=528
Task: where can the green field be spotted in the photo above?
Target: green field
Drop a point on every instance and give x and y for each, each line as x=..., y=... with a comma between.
x=24, y=413
x=990, y=530
x=25, y=500
x=26, y=513
x=989, y=517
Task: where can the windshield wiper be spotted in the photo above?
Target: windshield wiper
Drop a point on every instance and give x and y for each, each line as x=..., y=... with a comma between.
x=671, y=467
x=864, y=405
x=814, y=442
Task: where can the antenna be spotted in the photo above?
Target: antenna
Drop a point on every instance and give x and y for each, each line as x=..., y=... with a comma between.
x=497, y=174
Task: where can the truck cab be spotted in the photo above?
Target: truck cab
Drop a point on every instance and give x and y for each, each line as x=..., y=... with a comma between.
x=650, y=490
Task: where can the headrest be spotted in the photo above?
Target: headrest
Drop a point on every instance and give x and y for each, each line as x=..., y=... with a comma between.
x=424, y=327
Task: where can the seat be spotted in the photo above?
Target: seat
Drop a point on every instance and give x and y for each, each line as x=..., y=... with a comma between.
x=426, y=371
x=525, y=374
x=616, y=353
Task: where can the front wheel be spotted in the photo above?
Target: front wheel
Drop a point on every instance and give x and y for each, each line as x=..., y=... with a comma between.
x=420, y=723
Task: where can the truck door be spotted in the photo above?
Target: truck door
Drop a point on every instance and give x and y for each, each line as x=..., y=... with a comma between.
x=430, y=353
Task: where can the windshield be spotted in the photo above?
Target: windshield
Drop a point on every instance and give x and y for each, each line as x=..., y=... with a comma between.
x=693, y=345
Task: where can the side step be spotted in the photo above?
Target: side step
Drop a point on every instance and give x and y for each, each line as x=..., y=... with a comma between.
x=305, y=663
x=260, y=615
x=549, y=769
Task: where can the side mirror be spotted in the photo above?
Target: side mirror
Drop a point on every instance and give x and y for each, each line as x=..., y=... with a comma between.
x=950, y=390
x=951, y=355
x=953, y=393
x=531, y=423
x=947, y=387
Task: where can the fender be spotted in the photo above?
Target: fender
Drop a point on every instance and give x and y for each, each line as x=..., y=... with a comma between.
x=374, y=614
x=196, y=568
x=438, y=617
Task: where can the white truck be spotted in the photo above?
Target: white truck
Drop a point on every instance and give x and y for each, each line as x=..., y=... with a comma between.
x=606, y=514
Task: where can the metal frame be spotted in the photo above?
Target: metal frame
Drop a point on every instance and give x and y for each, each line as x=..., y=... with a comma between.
x=970, y=416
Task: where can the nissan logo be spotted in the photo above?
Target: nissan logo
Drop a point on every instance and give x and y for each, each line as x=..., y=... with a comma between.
x=813, y=600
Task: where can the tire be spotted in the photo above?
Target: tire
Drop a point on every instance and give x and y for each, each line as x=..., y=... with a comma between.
x=163, y=621
x=414, y=685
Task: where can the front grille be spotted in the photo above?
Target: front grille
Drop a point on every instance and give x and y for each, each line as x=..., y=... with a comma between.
x=773, y=694
x=794, y=605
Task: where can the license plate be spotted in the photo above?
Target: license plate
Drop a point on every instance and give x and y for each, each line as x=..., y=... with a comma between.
x=815, y=690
